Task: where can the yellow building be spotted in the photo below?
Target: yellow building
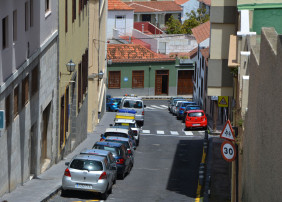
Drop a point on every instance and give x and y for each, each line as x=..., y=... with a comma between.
x=73, y=74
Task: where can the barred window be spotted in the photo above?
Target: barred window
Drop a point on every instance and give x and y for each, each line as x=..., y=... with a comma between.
x=138, y=79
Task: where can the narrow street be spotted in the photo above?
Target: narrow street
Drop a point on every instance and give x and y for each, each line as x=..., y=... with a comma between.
x=166, y=162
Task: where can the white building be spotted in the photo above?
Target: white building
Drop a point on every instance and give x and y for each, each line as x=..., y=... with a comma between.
x=187, y=7
x=28, y=89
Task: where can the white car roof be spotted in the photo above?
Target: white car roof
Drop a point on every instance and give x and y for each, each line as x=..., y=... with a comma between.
x=118, y=130
x=125, y=121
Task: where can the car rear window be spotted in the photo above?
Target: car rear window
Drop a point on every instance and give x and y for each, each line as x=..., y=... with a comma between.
x=90, y=165
x=126, y=144
x=187, y=103
x=195, y=114
x=133, y=104
x=116, y=134
x=115, y=151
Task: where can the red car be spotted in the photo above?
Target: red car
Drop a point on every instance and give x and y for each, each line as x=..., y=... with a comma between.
x=196, y=119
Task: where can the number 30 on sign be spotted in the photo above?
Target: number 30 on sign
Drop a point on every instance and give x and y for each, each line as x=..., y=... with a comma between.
x=228, y=151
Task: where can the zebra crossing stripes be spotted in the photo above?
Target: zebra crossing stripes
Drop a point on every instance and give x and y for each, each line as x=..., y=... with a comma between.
x=160, y=132
x=172, y=133
x=146, y=131
x=188, y=133
x=156, y=107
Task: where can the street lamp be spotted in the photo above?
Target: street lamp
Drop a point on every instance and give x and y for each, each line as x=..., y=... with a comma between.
x=110, y=62
x=96, y=75
x=70, y=66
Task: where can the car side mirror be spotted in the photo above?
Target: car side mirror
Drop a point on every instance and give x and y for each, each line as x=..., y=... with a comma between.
x=101, y=135
x=67, y=163
x=111, y=125
x=134, y=148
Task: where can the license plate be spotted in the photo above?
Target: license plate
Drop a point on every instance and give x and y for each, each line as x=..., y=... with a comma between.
x=83, y=186
x=196, y=124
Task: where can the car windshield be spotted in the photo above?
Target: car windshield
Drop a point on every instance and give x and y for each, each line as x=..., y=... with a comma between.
x=187, y=103
x=126, y=144
x=117, y=100
x=114, y=150
x=90, y=165
x=115, y=134
x=195, y=114
x=133, y=104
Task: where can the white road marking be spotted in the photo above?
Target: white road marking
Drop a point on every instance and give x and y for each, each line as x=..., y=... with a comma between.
x=188, y=133
x=146, y=131
x=164, y=106
x=149, y=108
x=174, y=133
x=160, y=132
x=155, y=106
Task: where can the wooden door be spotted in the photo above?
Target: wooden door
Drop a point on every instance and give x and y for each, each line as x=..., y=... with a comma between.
x=158, y=87
x=161, y=82
x=185, y=82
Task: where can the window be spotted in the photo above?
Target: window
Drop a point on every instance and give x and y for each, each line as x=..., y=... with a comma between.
x=34, y=79
x=138, y=79
x=114, y=79
x=47, y=6
x=15, y=24
x=25, y=90
x=66, y=15
x=79, y=97
x=5, y=32
x=31, y=13
x=26, y=16
x=73, y=10
x=7, y=110
x=16, y=101
x=80, y=6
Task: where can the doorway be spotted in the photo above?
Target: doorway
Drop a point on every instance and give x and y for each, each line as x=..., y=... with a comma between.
x=161, y=82
x=46, y=130
x=185, y=83
x=32, y=152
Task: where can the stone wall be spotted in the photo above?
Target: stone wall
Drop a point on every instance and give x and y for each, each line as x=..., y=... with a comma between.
x=262, y=162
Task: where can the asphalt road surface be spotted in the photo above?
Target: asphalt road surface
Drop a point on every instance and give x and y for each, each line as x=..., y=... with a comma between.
x=166, y=162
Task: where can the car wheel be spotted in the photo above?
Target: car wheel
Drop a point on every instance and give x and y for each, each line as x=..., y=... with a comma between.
x=121, y=176
x=111, y=190
x=104, y=196
x=64, y=193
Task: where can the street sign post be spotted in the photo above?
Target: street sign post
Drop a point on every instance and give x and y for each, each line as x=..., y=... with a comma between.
x=227, y=132
x=228, y=151
x=2, y=119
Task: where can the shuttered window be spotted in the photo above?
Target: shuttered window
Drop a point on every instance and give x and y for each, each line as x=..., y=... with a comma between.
x=73, y=10
x=34, y=79
x=16, y=101
x=114, y=79
x=25, y=90
x=7, y=111
x=137, y=79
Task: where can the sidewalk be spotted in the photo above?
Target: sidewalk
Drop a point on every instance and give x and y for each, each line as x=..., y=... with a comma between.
x=49, y=183
x=219, y=126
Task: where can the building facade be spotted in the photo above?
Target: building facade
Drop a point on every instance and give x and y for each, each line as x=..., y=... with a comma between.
x=28, y=89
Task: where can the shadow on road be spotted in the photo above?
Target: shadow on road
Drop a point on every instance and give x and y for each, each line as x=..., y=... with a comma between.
x=184, y=173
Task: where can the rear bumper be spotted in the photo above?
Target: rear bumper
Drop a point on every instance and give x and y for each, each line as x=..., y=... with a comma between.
x=202, y=124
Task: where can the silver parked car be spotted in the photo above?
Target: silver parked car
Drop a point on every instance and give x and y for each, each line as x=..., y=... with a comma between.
x=88, y=173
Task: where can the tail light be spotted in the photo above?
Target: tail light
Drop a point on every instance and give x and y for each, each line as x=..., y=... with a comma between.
x=181, y=109
x=129, y=151
x=67, y=173
x=113, y=104
x=143, y=113
x=120, y=161
x=101, y=139
x=103, y=176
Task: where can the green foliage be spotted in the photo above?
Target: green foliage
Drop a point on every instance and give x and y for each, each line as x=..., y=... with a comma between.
x=194, y=19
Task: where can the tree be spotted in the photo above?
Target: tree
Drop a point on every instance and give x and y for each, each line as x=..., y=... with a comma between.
x=173, y=26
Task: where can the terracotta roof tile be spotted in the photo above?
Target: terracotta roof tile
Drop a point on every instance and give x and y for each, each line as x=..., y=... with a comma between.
x=202, y=32
x=118, y=5
x=180, y=2
x=207, y=2
x=133, y=40
x=124, y=53
x=206, y=53
x=190, y=55
x=154, y=6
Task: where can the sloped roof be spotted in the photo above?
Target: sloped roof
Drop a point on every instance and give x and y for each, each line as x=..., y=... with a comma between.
x=118, y=5
x=206, y=53
x=190, y=55
x=207, y=2
x=202, y=32
x=180, y=2
x=126, y=53
x=154, y=6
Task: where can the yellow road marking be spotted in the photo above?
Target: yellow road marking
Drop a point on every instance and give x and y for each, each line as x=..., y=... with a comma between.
x=198, y=193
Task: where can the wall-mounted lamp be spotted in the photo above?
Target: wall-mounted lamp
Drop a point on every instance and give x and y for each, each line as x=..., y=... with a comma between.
x=70, y=66
x=110, y=62
x=96, y=75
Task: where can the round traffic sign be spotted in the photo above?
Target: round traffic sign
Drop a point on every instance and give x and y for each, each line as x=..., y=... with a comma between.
x=228, y=151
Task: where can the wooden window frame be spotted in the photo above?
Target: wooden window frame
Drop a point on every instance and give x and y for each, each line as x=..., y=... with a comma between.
x=26, y=16
x=34, y=80
x=8, y=110
x=15, y=25
x=73, y=10
x=16, y=101
x=66, y=16
x=5, y=34
x=114, y=86
x=138, y=75
x=25, y=90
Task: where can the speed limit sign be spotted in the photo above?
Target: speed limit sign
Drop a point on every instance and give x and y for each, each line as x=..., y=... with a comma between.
x=228, y=151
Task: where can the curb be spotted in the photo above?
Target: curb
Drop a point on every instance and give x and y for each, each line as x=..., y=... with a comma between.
x=53, y=193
